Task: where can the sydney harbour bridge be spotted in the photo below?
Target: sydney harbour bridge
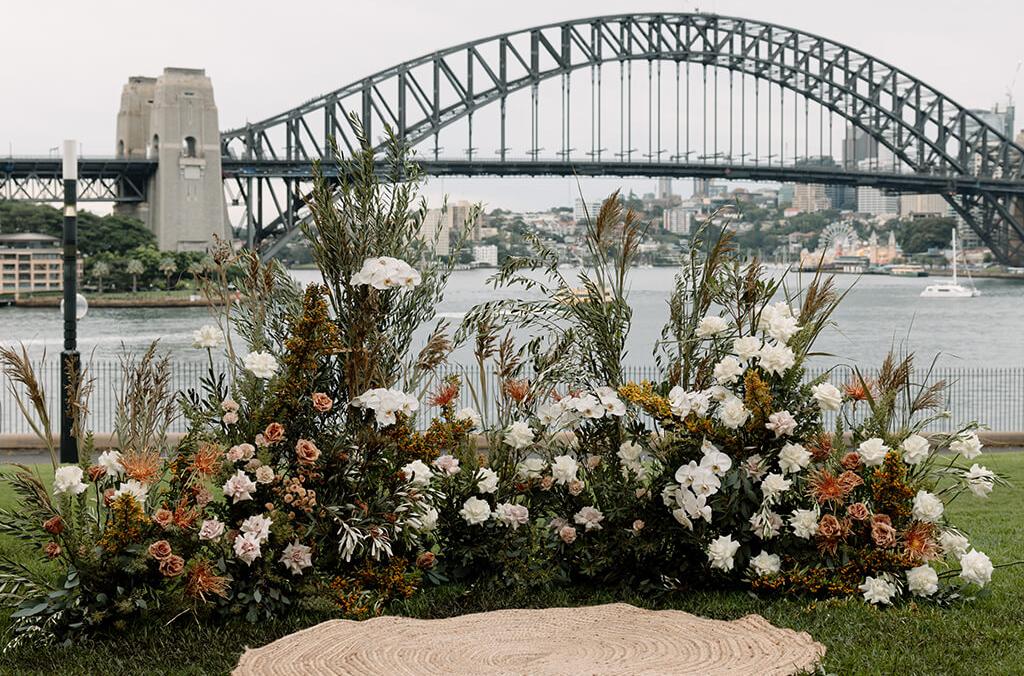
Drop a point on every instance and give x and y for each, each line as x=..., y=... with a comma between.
x=658, y=95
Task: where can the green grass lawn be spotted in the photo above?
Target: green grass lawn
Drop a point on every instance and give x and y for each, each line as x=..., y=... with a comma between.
x=985, y=636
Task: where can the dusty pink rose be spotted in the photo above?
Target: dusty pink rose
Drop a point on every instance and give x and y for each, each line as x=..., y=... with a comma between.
x=593, y=461
x=851, y=461
x=638, y=525
x=575, y=487
x=160, y=550
x=829, y=527
x=261, y=441
x=321, y=402
x=229, y=405
x=858, y=511
x=546, y=483
x=883, y=534
x=172, y=566
x=234, y=454
x=306, y=452
x=274, y=433
x=163, y=517
x=230, y=418
x=568, y=534
x=108, y=496
x=426, y=561
x=203, y=496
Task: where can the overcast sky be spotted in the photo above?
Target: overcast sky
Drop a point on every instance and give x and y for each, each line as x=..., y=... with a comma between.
x=64, y=62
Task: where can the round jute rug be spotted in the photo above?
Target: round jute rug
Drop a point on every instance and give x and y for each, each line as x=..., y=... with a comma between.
x=609, y=639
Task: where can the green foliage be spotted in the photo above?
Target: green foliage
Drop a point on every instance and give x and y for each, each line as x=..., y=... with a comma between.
x=922, y=234
x=114, y=234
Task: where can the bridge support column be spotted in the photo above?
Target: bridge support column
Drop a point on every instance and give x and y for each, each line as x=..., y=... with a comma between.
x=173, y=120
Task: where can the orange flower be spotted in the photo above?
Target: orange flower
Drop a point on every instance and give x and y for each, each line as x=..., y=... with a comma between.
x=184, y=516
x=858, y=389
x=517, y=390
x=445, y=394
x=143, y=466
x=851, y=461
x=202, y=580
x=820, y=447
x=96, y=472
x=824, y=486
x=919, y=541
x=850, y=481
x=206, y=460
x=52, y=550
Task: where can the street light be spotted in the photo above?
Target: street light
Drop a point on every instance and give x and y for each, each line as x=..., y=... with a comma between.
x=70, y=362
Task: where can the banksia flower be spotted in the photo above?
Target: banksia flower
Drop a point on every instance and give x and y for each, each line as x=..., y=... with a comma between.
x=143, y=466
x=201, y=580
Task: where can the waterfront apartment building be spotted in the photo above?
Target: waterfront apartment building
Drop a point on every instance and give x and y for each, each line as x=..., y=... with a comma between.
x=810, y=197
x=438, y=225
x=877, y=203
x=31, y=262
x=678, y=220
x=486, y=255
x=582, y=210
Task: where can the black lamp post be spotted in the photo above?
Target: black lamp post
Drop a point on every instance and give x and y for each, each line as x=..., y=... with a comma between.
x=70, y=363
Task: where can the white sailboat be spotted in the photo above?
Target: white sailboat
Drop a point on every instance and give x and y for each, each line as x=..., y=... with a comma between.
x=951, y=289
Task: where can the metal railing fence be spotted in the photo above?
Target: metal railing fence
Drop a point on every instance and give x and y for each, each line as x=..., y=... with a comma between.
x=992, y=396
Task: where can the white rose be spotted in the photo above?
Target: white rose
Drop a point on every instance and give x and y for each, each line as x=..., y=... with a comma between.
x=519, y=435
x=782, y=423
x=135, y=489
x=828, y=396
x=721, y=552
x=68, y=480
x=927, y=507
x=428, y=520
x=207, y=337
x=872, y=451
x=804, y=523
x=470, y=415
x=728, y=370
x=711, y=325
x=264, y=474
x=967, y=445
x=773, y=486
x=475, y=511
x=980, y=480
x=589, y=517
x=733, y=413
x=878, y=590
x=746, y=348
x=923, y=580
x=684, y=403
x=512, y=515
x=564, y=469
x=776, y=359
x=261, y=364
x=953, y=544
x=782, y=327
x=239, y=487
x=211, y=529
x=447, y=464
x=486, y=480
x=975, y=568
x=417, y=473
x=915, y=449
x=793, y=458
x=531, y=468
x=766, y=564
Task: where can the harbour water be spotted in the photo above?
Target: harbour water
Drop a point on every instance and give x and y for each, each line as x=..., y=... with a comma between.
x=878, y=312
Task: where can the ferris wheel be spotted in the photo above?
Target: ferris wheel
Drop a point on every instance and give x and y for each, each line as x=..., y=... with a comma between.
x=838, y=238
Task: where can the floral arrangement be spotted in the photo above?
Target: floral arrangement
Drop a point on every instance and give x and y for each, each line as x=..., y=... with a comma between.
x=305, y=480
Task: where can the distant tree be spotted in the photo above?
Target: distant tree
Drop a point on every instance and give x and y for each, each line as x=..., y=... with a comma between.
x=922, y=234
x=168, y=266
x=100, y=270
x=116, y=234
x=134, y=267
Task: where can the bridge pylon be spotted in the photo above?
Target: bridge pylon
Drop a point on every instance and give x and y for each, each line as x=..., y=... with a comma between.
x=173, y=119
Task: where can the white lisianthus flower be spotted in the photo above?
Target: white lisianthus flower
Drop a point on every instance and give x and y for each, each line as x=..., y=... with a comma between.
x=475, y=511
x=427, y=520
x=239, y=487
x=386, y=404
x=519, y=435
x=211, y=529
x=766, y=564
x=733, y=413
x=486, y=480
x=469, y=415
x=976, y=568
x=589, y=517
x=773, y=486
x=782, y=423
x=68, y=480
x=247, y=548
x=259, y=526
x=927, y=507
x=728, y=370
x=609, y=398
x=828, y=396
x=447, y=464
x=297, y=557
x=261, y=364
x=746, y=348
x=980, y=480
x=872, y=451
x=684, y=403
x=804, y=523
x=967, y=445
x=776, y=359
x=915, y=449
x=721, y=552
x=564, y=469
x=385, y=272
x=208, y=337
x=511, y=515
x=417, y=473
x=923, y=580
x=111, y=462
x=134, y=488
x=711, y=325
x=953, y=544
x=878, y=590
x=793, y=458
x=531, y=468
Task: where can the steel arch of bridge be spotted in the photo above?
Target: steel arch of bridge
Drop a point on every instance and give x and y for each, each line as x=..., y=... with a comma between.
x=942, y=146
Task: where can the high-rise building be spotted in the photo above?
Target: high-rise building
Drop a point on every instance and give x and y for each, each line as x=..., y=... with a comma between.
x=877, y=203
x=677, y=220
x=486, y=255
x=700, y=187
x=664, y=189
x=916, y=206
x=440, y=223
x=785, y=196
x=858, y=145
x=810, y=197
